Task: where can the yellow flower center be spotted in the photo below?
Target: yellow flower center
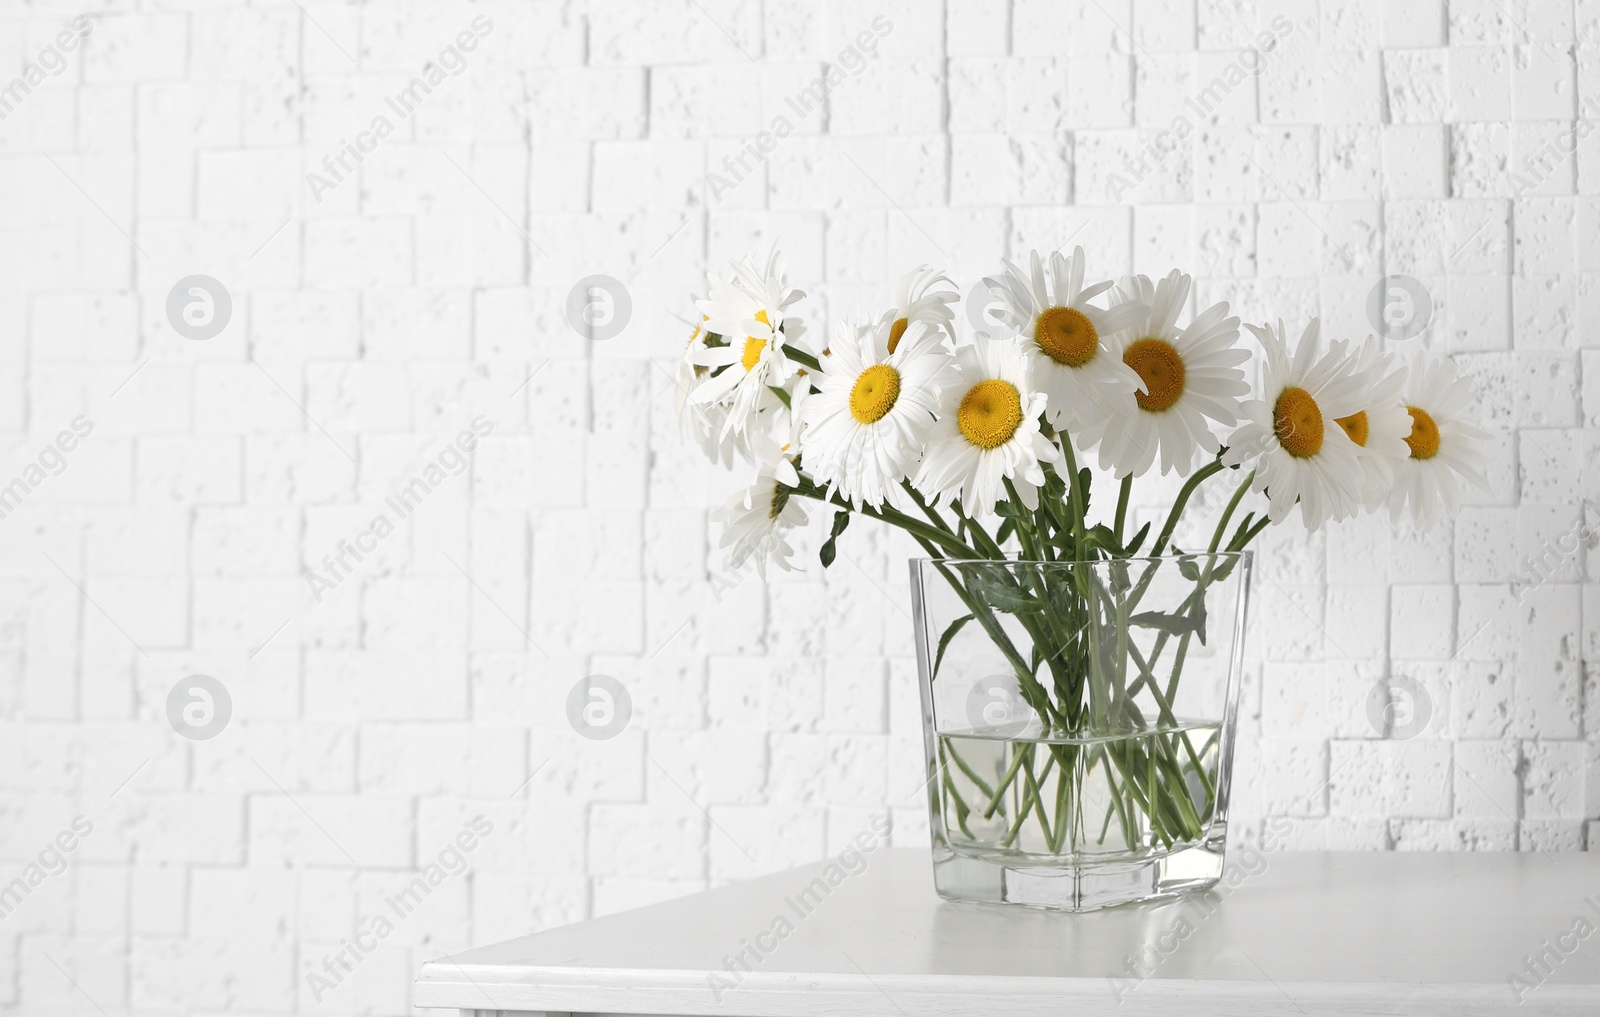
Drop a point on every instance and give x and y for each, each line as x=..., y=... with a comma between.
x=1424, y=436
x=752, y=353
x=1066, y=336
x=897, y=330
x=1355, y=425
x=990, y=413
x=780, y=498
x=754, y=346
x=1160, y=367
x=1297, y=421
x=875, y=393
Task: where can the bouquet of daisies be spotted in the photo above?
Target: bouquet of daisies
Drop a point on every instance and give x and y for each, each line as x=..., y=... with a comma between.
x=982, y=447
x=901, y=416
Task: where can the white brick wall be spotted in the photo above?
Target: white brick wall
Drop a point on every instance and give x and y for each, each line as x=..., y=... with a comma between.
x=428, y=288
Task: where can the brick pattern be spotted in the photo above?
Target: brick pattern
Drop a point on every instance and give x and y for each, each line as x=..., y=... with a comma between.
x=379, y=308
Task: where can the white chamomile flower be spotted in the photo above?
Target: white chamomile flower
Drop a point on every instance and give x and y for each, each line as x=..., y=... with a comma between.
x=864, y=429
x=1301, y=454
x=987, y=431
x=1380, y=427
x=701, y=422
x=1189, y=381
x=767, y=432
x=1442, y=444
x=746, y=311
x=757, y=522
x=1062, y=336
x=924, y=295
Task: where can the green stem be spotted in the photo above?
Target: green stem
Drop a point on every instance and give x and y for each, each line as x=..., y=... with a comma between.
x=1034, y=693
x=1164, y=706
x=1006, y=780
x=1065, y=803
x=1040, y=629
x=1200, y=476
x=1038, y=797
x=1129, y=835
x=1030, y=796
x=985, y=542
x=960, y=806
x=1026, y=533
x=961, y=764
x=1074, y=498
x=1122, y=507
x=1227, y=514
x=800, y=356
x=928, y=510
x=1242, y=540
x=916, y=527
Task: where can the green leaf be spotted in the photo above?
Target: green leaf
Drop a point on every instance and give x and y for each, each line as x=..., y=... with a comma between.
x=1189, y=569
x=1121, y=581
x=841, y=519
x=1100, y=535
x=1000, y=594
x=1084, y=476
x=1138, y=538
x=782, y=394
x=1007, y=527
x=1053, y=500
x=1054, y=486
x=1238, y=535
x=1009, y=509
x=1172, y=625
x=944, y=640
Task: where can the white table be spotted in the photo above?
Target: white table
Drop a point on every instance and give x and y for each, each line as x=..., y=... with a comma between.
x=1319, y=934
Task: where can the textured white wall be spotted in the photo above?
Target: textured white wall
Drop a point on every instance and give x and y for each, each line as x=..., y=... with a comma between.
x=378, y=312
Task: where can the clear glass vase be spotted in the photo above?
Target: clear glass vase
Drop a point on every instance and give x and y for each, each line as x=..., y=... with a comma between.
x=1079, y=721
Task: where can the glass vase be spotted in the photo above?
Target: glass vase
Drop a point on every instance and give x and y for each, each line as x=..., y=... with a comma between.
x=1079, y=723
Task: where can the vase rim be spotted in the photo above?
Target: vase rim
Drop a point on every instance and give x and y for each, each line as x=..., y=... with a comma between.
x=1017, y=559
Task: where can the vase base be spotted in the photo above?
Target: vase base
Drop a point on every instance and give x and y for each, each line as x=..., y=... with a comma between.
x=1080, y=885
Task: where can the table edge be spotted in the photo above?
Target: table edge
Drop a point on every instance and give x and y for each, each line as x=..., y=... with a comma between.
x=689, y=992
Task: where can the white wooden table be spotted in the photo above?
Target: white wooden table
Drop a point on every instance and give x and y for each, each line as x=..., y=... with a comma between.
x=1318, y=934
